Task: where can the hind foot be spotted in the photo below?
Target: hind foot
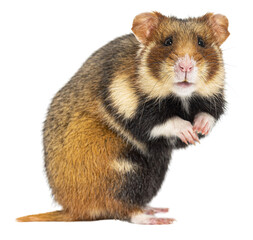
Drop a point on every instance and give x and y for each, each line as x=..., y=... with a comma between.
x=147, y=217
x=152, y=211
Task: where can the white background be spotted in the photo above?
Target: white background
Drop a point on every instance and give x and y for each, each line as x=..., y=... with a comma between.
x=42, y=44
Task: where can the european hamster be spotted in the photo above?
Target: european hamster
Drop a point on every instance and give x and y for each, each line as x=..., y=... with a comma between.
x=110, y=131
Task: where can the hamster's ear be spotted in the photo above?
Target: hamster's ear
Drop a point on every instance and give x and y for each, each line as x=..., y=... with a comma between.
x=144, y=24
x=219, y=25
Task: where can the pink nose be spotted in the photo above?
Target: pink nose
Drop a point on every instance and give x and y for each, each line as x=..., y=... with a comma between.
x=185, y=66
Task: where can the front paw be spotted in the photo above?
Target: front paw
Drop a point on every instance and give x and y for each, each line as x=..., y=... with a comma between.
x=184, y=130
x=175, y=127
x=203, y=123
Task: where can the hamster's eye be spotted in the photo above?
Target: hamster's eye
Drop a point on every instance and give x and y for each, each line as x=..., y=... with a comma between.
x=168, y=41
x=201, y=42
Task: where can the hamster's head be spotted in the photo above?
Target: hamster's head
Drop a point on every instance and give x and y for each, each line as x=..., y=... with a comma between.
x=180, y=56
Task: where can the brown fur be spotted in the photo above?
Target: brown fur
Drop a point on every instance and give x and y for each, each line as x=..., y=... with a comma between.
x=80, y=150
x=82, y=179
x=83, y=143
x=50, y=216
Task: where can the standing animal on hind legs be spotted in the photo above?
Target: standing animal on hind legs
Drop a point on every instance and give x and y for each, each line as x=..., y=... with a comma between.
x=110, y=131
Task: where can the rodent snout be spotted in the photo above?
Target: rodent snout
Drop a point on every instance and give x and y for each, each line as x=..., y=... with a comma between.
x=185, y=69
x=185, y=64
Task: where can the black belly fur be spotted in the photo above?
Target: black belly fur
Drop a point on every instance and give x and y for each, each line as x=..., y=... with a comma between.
x=142, y=185
x=152, y=113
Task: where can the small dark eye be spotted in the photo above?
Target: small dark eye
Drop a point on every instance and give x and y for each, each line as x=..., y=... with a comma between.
x=168, y=41
x=201, y=42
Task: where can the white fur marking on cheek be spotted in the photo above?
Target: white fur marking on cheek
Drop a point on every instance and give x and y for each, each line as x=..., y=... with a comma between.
x=150, y=85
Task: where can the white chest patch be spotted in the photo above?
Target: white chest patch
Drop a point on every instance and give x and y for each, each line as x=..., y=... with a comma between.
x=186, y=105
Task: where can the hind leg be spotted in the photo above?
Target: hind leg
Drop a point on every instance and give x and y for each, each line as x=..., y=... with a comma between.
x=141, y=183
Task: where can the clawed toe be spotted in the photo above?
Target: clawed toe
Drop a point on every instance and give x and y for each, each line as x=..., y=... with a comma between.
x=203, y=123
x=152, y=211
